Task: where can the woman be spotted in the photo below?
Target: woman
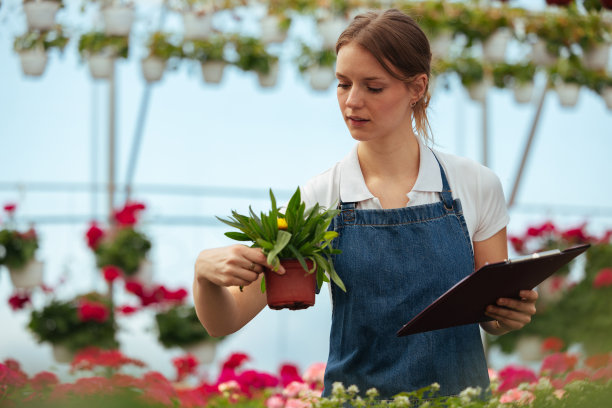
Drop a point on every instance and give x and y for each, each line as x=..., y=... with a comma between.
x=413, y=223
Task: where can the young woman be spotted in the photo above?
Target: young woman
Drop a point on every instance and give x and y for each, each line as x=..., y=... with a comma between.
x=413, y=223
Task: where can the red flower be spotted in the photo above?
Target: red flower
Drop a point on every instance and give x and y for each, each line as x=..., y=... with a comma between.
x=603, y=278
x=43, y=380
x=126, y=381
x=576, y=235
x=235, y=360
x=518, y=244
x=289, y=374
x=18, y=301
x=511, y=376
x=11, y=375
x=134, y=287
x=111, y=273
x=178, y=295
x=598, y=361
x=94, y=235
x=91, y=357
x=558, y=363
x=127, y=216
x=92, y=385
x=90, y=310
x=576, y=376
x=10, y=208
x=126, y=309
x=185, y=365
x=552, y=344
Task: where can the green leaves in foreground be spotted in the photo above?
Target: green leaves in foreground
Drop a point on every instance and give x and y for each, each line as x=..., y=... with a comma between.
x=298, y=233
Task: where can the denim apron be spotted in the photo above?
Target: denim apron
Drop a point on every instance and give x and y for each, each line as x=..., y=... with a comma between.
x=394, y=263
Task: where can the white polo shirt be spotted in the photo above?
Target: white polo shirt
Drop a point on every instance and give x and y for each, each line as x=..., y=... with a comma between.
x=478, y=188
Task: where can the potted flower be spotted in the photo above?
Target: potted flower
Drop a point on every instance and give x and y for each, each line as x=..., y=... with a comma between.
x=435, y=19
x=33, y=46
x=160, y=49
x=548, y=35
x=86, y=320
x=40, y=14
x=179, y=326
x=252, y=56
x=297, y=239
x=517, y=76
x=210, y=54
x=568, y=76
x=118, y=17
x=318, y=66
x=595, y=43
x=275, y=24
x=472, y=74
x=493, y=28
x=197, y=18
x=17, y=251
x=101, y=50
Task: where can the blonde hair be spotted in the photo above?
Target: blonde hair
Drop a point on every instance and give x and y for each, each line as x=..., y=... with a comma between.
x=395, y=39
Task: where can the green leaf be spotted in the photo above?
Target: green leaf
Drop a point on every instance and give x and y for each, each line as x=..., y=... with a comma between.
x=238, y=236
x=264, y=244
x=282, y=239
x=262, y=286
x=334, y=276
x=298, y=256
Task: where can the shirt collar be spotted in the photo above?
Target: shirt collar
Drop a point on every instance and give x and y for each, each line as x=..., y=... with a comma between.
x=354, y=189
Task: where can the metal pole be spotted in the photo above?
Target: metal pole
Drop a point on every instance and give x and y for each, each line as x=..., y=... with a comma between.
x=94, y=151
x=485, y=132
x=111, y=145
x=527, y=149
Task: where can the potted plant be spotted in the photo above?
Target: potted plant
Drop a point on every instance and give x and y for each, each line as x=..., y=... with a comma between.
x=252, y=56
x=86, y=320
x=179, y=326
x=472, y=74
x=17, y=252
x=519, y=77
x=210, y=54
x=435, y=18
x=549, y=37
x=332, y=21
x=568, y=76
x=33, y=46
x=297, y=239
x=275, y=24
x=101, y=50
x=40, y=14
x=595, y=43
x=493, y=28
x=197, y=18
x=118, y=17
x=318, y=66
x=160, y=49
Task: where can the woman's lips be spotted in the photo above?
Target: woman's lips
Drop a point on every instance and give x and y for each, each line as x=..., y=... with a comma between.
x=355, y=121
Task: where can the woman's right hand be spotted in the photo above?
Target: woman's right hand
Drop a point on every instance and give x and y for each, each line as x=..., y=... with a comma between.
x=235, y=265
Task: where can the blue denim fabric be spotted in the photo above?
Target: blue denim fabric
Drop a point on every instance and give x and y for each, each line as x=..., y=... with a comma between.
x=394, y=263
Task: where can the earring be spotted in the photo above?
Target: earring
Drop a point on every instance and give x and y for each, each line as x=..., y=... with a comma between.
x=412, y=105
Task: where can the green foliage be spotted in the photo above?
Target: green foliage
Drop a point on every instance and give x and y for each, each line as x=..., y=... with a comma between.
x=470, y=70
x=162, y=46
x=42, y=40
x=59, y=323
x=98, y=42
x=311, y=58
x=212, y=49
x=305, y=238
x=179, y=326
x=508, y=75
x=570, y=70
x=126, y=250
x=252, y=55
x=17, y=248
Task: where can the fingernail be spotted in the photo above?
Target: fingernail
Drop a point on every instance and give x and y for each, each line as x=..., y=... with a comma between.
x=501, y=302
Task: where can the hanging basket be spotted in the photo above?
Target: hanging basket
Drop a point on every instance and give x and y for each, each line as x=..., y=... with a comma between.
x=441, y=43
x=204, y=351
x=144, y=274
x=62, y=354
x=29, y=276
x=330, y=29
x=321, y=78
x=597, y=57
x=478, y=91
x=523, y=93
x=33, y=62
x=101, y=65
x=494, y=48
x=294, y=290
x=197, y=26
x=40, y=15
x=212, y=71
x=568, y=93
x=271, y=32
x=268, y=80
x=606, y=94
x=540, y=55
x=153, y=69
x=118, y=20
x=529, y=348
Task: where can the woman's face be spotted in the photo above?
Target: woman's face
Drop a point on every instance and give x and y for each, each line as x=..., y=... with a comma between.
x=374, y=104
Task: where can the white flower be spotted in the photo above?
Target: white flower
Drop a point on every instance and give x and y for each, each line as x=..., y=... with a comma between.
x=435, y=386
x=353, y=389
x=372, y=393
x=544, y=384
x=469, y=393
x=401, y=401
x=337, y=388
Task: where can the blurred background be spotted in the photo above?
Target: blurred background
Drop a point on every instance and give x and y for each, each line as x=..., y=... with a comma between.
x=75, y=148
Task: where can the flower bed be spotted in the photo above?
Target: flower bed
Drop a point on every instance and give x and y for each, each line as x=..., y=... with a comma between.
x=101, y=379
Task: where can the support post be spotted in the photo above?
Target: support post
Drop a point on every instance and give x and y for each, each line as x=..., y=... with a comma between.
x=111, y=145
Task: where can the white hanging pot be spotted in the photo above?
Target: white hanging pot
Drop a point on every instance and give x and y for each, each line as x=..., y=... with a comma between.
x=118, y=19
x=321, y=78
x=40, y=15
x=268, y=80
x=478, y=91
x=494, y=48
x=441, y=43
x=330, y=29
x=568, y=93
x=540, y=55
x=523, y=93
x=204, y=351
x=62, y=354
x=271, y=32
x=101, y=65
x=529, y=348
x=29, y=276
x=212, y=71
x=153, y=69
x=197, y=26
x=597, y=57
x=33, y=62
x=144, y=273
x=606, y=94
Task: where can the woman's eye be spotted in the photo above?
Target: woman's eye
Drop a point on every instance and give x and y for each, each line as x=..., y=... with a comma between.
x=343, y=86
x=374, y=90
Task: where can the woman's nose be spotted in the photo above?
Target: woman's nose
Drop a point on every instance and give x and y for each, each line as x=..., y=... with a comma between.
x=354, y=98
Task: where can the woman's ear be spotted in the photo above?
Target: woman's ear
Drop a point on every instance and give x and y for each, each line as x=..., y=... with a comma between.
x=419, y=87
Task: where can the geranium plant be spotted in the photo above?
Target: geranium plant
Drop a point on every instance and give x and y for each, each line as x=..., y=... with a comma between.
x=298, y=233
x=179, y=326
x=16, y=248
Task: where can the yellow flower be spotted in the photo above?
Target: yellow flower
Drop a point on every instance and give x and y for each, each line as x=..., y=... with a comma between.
x=282, y=223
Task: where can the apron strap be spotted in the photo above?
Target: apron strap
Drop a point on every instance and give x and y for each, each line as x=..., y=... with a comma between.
x=347, y=213
x=446, y=194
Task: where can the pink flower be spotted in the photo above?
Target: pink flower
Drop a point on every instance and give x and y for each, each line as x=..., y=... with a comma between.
x=314, y=374
x=576, y=234
x=493, y=376
x=517, y=243
x=94, y=235
x=126, y=310
x=512, y=376
x=43, y=380
x=603, y=278
x=91, y=357
x=185, y=365
x=128, y=215
x=288, y=374
x=19, y=300
x=558, y=363
x=552, y=344
x=577, y=375
x=10, y=208
x=275, y=401
x=111, y=273
x=92, y=385
x=294, y=388
x=522, y=397
x=235, y=360
x=297, y=403
x=90, y=310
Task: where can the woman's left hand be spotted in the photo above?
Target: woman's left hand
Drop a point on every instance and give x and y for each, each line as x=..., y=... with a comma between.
x=514, y=314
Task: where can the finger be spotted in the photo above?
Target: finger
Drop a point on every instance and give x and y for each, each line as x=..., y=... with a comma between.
x=527, y=307
x=530, y=295
x=256, y=256
x=507, y=314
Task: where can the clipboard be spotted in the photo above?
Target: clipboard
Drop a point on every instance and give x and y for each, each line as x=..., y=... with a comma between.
x=465, y=303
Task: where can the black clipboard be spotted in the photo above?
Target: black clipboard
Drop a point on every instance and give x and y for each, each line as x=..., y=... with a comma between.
x=465, y=303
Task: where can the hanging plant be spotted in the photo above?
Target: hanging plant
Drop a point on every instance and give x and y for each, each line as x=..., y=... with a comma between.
x=211, y=54
x=161, y=48
x=40, y=14
x=33, y=46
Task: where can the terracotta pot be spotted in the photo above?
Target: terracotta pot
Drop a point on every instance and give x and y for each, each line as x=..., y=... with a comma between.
x=606, y=94
x=33, y=62
x=30, y=276
x=568, y=93
x=61, y=354
x=321, y=77
x=270, y=30
x=212, y=71
x=330, y=29
x=294, y=290
x=40, y=15
x=268, y=80
x=597, y=57
x=204, y=351
x=118, y=20
x=153, y=69
x=197, y=26
x=523, y=93
x=494, y=48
